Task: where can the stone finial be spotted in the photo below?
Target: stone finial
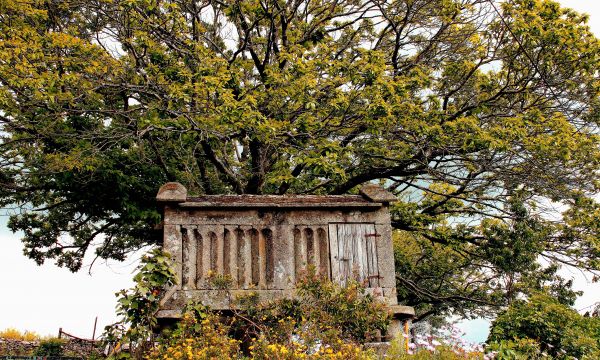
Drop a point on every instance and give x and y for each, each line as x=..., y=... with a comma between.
x=377, y=193
x=401, y=311
x=172, y=192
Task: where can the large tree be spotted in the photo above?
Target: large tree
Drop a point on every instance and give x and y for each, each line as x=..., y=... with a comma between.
x=480, y=116
x=544, y=327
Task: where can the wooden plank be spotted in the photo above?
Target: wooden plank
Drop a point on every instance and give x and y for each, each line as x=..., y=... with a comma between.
x=334, y=261
x=365, y=229
x=351, y=250
x=345, y=251
x=340, y=252
x=358, y=252
x=353, y=254
x=371, y=242
x=385, y=258
x=343, y=256
x=369, y=251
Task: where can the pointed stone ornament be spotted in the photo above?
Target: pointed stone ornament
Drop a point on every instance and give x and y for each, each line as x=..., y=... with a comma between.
x=377, y=194
x=172, y=192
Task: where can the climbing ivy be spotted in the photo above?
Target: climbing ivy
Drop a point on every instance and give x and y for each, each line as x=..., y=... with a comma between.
x=137, y=306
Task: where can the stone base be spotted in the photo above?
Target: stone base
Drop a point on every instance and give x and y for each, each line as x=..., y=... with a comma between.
x=401, y=317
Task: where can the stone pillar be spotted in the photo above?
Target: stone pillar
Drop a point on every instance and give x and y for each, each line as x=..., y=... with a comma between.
x=401, y=316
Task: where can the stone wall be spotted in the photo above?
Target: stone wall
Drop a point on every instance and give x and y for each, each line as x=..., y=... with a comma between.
x=9, y=348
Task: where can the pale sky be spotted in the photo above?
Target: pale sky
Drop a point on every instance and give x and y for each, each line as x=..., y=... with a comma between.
x=45, y=298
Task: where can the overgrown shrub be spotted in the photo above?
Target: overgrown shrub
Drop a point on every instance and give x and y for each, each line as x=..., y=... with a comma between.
x=200, y=335
x=321, y=313
x=517, y=349
x=203, y=335
x=137, y=307
x=50, y=347
x=323, y=321
x=542, y=326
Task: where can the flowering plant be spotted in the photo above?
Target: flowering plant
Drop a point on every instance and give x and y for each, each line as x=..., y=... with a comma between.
x=446, y=344
x=200, y=335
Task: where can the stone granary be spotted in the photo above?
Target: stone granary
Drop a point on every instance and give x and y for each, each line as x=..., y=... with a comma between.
x=263, y=243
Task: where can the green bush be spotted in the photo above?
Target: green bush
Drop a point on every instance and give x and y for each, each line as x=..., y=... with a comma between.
x=199, y=335
x=542, y=326
x=323, y=320
x=50, y=347
x=137, y=306
x=322, y=309
x=518, y=349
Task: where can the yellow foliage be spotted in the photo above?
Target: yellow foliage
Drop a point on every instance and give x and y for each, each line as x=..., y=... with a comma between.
x=214, y=344
x=261, y=349
x=14, y=334
x=208, y=339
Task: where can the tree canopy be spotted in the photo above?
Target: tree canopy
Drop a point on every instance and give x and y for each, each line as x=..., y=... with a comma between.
x=481, y=116
x=546, y=326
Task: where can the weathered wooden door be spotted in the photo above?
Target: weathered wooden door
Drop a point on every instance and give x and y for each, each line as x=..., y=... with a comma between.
x=353, y=249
